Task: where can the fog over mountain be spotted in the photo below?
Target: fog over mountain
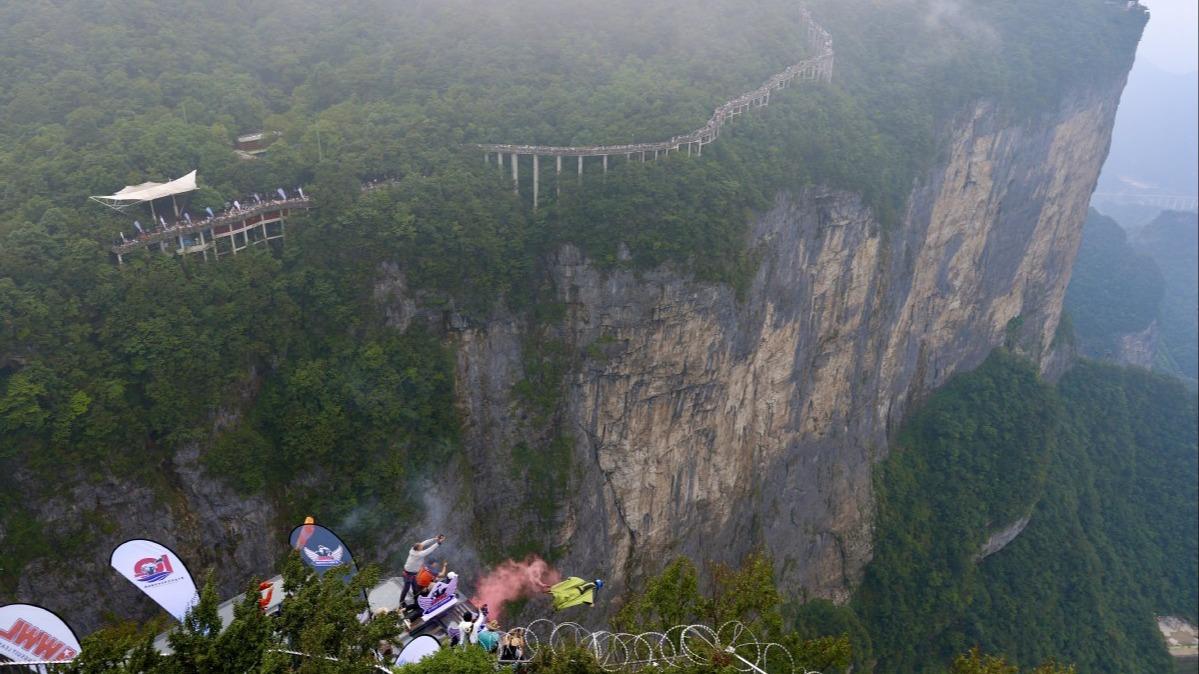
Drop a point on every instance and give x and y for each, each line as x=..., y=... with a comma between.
x=1154, y=145
x=1155, y=140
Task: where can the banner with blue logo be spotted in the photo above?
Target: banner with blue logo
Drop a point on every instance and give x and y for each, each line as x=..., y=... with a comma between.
x=156, y=570
x=321, y=549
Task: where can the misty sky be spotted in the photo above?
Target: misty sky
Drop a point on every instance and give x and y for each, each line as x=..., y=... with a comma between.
x=1171, y=40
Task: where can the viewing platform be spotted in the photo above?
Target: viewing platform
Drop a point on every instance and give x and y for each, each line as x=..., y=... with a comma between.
x=225, y=234
x=229, y=232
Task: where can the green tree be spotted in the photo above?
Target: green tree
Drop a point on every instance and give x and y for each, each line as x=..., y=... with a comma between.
x=975, y=662
x=320, y=618
x=745, y=593
x=453, y=661
x=124, y=649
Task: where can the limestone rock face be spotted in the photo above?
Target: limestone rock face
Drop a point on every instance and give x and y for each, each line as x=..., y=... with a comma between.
x=709, y=425
x=699, y=423
x=207, y=524
x=1000, y=539
x=1138, y=348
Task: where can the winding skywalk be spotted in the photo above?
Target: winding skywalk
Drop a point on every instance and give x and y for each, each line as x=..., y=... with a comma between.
x=816, y=68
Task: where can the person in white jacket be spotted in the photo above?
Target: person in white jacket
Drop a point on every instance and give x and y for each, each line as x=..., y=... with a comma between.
x=416, y=557
x=470, y=626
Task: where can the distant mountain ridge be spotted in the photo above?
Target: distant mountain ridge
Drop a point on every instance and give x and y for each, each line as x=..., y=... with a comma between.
x=1172, y=241
x=1134, y=298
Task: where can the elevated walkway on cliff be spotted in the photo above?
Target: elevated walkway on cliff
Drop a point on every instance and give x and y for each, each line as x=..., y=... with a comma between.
x=264, y=222
x=816, y=68
x=227, y=233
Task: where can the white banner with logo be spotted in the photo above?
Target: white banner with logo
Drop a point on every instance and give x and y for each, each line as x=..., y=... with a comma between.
x=31, y=633
x=156, y=570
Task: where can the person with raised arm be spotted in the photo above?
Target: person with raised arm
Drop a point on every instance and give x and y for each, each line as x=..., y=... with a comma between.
x=412, y=566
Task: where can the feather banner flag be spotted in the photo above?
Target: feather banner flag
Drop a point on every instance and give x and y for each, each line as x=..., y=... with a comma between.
x=156, y=570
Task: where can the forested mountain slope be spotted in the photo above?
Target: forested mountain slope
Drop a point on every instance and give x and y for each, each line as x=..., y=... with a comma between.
x=1132, y=297
x=1172, y=241
x=1099, y=476
x=1115, y=295
x=757, y=322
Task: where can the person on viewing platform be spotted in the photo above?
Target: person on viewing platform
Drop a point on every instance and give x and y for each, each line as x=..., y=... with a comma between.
x=425, y=577
x=489, y=636
x=386, y=651
x=512, y=645
x=468, y=628
x=412, y=565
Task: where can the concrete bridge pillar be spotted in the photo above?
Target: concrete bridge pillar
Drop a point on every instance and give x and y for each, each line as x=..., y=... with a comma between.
x=580, y=178
x=536, y=175
x=558, y=176
x=515, y=175
x=605, y=163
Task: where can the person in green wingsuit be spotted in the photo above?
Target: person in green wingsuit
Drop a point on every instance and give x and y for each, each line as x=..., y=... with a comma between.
x=573, y=592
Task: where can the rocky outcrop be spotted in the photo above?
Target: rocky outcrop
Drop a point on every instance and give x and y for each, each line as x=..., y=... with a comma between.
x=1138, y=348
x=1001, y=538
x=206, y=523
x=708, y=426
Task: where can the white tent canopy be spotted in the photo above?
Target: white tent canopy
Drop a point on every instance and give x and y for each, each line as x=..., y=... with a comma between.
x=136, y=194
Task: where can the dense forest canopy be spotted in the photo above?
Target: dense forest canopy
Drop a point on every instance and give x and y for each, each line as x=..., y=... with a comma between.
x=1141, y=287
x=1114, y=290
x=1105, y=468
x=1172, y=241
x=96, y=95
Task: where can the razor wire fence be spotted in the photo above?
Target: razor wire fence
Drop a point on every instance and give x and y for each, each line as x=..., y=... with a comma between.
x=733, y=644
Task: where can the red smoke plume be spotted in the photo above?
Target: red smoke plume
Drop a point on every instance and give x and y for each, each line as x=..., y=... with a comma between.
x=513, y=580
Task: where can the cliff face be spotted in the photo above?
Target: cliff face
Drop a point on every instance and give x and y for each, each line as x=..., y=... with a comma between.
x=708, y=426
x=207, y=524
x=699, y=423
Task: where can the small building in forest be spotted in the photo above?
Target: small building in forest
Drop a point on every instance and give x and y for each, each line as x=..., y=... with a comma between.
x=256, y=143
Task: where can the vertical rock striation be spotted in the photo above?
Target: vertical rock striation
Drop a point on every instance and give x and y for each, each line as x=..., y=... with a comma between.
x=707, y=425
x=701, y=424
